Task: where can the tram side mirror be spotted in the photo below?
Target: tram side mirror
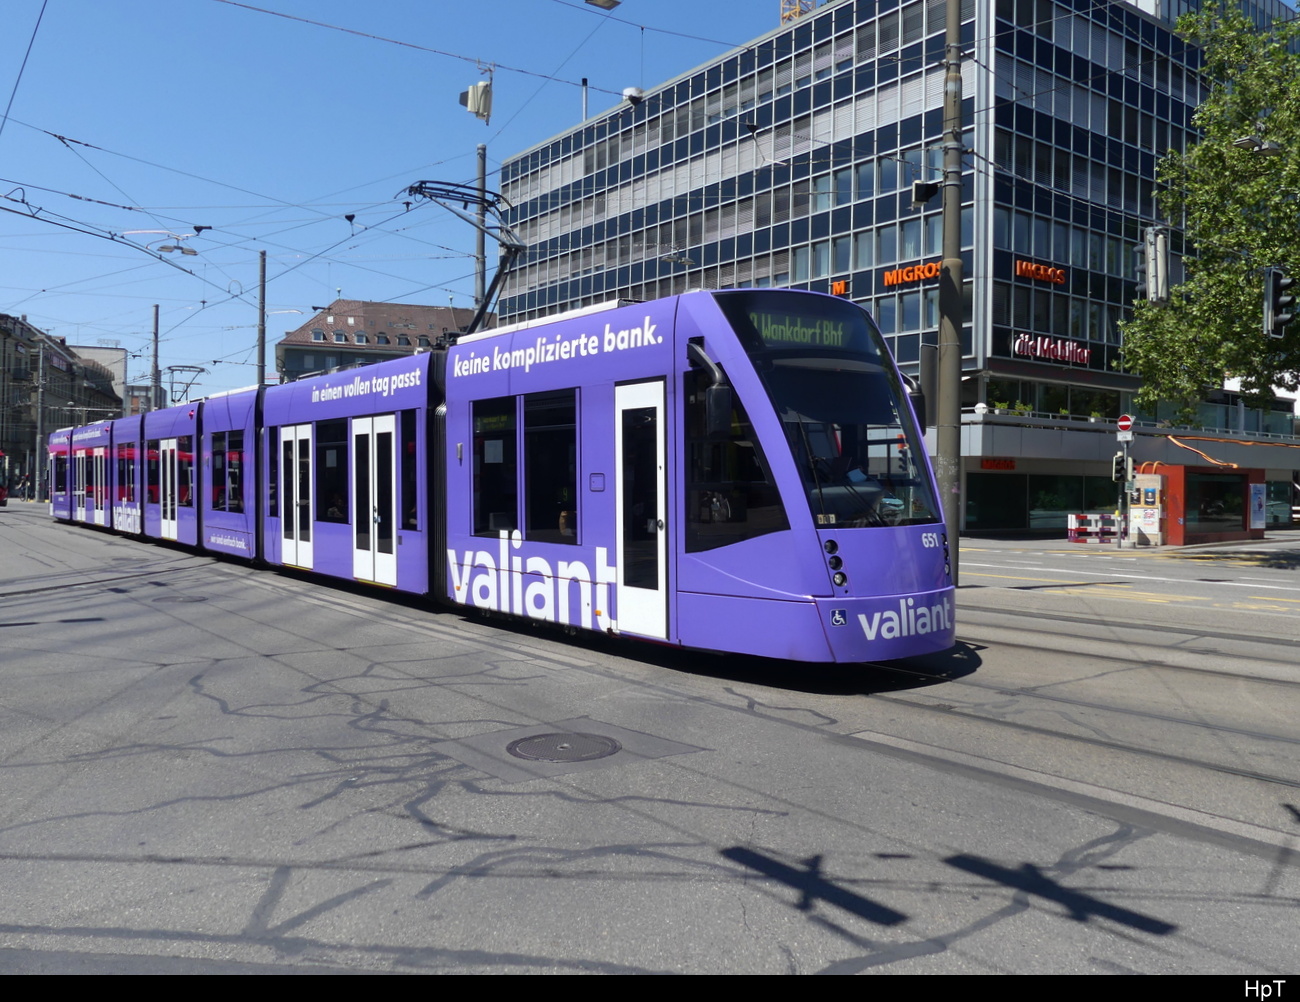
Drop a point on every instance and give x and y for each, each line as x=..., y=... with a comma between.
x=717, y=411
x=915, y=395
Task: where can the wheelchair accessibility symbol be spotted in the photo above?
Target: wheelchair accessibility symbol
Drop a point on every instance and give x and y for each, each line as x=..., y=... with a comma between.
x=839, y=617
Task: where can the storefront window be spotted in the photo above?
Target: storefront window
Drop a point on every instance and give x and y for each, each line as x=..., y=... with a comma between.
x=1215, y=502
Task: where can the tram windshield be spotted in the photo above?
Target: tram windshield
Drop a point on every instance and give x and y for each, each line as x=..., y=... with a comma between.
x=827, y=372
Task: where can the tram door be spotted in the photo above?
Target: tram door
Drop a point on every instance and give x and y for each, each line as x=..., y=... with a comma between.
x=642, y=550
x=79, y=486
x=99, y=488
x=374, y=499
x=295, y=476
x=168, y=487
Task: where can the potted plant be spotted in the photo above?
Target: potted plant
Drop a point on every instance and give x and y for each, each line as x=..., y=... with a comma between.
x=1000, y=406
x=1023, y=409
x=1094, y=417
x=1064, y=412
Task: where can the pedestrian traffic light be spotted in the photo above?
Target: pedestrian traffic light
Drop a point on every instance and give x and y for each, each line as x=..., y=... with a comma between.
x=1121, y=468
x=1278, y=302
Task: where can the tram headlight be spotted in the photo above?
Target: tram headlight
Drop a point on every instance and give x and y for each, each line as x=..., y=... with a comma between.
x=830, y=546
x=836, y=563
x=840, y=579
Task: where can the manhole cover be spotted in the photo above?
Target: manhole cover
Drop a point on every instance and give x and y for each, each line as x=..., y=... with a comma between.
x=563, y=747
x=181, y=598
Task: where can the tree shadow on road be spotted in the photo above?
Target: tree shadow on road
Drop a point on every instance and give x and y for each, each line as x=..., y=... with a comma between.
x=1282, y=559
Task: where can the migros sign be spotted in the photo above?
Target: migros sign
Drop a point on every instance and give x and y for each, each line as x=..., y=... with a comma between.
x=915, y=273
x=1041, y=272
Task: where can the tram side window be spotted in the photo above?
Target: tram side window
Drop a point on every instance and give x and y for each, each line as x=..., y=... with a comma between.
x=409, y=471
x=217, y=485
x=273, y=474
x=496, y=494
x=61, y=474
x=185, y=471
x=125, y=474
x=235, y=472
x=551, y=466
x=730, y=492
x=152, y=477
x=227, y=471
x=332, y=471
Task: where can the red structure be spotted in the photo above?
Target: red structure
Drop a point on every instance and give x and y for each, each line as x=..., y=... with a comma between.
x=1207, y=504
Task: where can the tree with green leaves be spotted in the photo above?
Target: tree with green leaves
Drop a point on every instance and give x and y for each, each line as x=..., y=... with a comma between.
x=1236, y=195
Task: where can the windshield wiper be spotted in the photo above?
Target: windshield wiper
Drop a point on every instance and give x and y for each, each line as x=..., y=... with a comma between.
x=812, y=461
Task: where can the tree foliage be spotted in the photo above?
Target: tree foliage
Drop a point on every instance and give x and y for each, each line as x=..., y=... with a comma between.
x=1240, y=212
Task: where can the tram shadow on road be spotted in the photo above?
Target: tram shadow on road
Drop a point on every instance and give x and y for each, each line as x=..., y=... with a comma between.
x=863, y=678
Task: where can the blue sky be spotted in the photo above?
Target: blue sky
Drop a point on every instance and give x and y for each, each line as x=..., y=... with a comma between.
x=166, y=114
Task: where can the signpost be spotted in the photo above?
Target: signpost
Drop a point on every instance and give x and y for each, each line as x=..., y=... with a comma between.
x=1124, y=435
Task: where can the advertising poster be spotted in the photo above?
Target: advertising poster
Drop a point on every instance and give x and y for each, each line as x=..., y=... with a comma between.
x=1257, y=497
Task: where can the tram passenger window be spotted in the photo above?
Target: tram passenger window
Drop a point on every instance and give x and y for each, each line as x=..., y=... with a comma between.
x=185, y=471
x=409, y=472
x=551, y=466
x=273, y=474
x=235, y=472
x=730, y=492
x=227, y=471
x=125, y=479
x=152, y=477
x=496, y=495
x=332, y=471
x=217, y=485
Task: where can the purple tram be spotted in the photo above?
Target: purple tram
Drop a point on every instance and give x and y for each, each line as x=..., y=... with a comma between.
x=737, y=471
x=80, y=466
x=345, y=460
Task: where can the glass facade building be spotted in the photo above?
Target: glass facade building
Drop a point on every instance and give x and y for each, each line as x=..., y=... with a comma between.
x=790, y=162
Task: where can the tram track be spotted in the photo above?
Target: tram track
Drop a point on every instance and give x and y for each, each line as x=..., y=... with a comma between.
x=557, y=652
x=324, y=714
x=1277, y=676
x=1003, y=690
x=1125, y=748
x=861, y=723
x=964, y=611
x=727, y=683
x=42, y=585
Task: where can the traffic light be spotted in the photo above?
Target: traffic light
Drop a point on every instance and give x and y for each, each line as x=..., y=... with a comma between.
x=923, y=191
x=1278, y=302
x=1121, y=468
x=478, y=100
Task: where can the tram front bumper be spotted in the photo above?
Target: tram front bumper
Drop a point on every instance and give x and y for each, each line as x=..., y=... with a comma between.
x=881, y=628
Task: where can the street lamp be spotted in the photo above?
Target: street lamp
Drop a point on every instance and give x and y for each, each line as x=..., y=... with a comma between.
x=1258, y=146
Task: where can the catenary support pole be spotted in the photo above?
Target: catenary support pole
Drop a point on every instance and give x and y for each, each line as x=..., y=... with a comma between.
x=261, y=318
x=948, y=412
x=480, y=246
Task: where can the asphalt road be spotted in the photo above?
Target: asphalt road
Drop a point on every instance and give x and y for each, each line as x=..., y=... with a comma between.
x=209, y=769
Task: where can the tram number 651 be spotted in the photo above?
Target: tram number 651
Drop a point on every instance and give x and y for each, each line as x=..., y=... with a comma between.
x=930, y=540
